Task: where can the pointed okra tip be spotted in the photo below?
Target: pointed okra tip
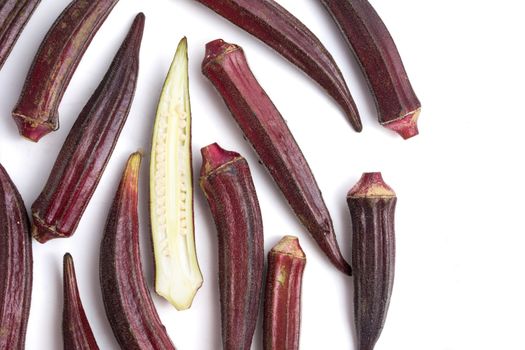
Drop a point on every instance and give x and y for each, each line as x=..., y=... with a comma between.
x=68, y=271
x=131, y=172
x=407, y=125
x=289, y=245
x=371, y=185
x=216, y=50
x=214, y=156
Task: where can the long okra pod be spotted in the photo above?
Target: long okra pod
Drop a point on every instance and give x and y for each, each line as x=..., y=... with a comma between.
x=228, y=186
x=129, y=308
x=397, y=104
x=177, y=272
x=36, y=113
x=372, y=204
x=279, y=29
x=89, y=145
x=264, y=127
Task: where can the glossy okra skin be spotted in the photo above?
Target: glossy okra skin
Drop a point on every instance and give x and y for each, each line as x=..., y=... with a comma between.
x=279, y=29
x=374, y=48
x=14, y=15
x=264, y=127
x=372, y=205
x=89, y=145
x=76, y=330
x=36, y=113
x=227, y=183
x=282, y=304
x=16, y=266
x=129, y=307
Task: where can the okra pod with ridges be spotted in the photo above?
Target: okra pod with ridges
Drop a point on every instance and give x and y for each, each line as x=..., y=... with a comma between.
x=16, y=266
x=374, y=48
x=264, y=127
x=282, y=304
x=372, y=205
x=76, y=330
x=279, y=29
x=129, y=307
x=89, y=145
x=14, y=15
x=36, y=113
x=227, y=183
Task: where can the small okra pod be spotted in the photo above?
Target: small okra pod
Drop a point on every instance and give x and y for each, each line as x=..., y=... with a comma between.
x=36, y=113
x=374, y=48
x=227, y=183
x=372, y=204
x=76, y=330
x=226, y=67
x=14, y=15
x=282, y=303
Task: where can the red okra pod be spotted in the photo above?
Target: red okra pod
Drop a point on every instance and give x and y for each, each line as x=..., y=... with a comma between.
x=282, y=304
x=372, y=205
x=36, y=113
x=374, y=48
x=16, y=266
x=279, y=29
x=76, y=330
x=264, y=127
x=14, y=15
x=129, y=307
x=89, y=145
x=227, y=183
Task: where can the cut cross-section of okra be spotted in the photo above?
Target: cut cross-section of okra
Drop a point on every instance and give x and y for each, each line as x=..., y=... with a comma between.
x=178, y=276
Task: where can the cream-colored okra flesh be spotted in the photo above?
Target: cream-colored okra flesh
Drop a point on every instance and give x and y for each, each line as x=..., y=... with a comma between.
x=177, y=276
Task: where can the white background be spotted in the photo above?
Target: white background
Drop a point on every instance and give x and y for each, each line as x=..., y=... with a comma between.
x=460, y=238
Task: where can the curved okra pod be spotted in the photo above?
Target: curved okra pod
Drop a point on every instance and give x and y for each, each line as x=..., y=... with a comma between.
x=177, y=272
x=36, y=113
x=264, y=127
x=81, y=162
x=16, y=266
x=76, y=330
x=397, y=104
x=14, y=15
x=372, y=204
x=227, y=183
x=282, y=301
x=129, y=308
x=279, y=29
